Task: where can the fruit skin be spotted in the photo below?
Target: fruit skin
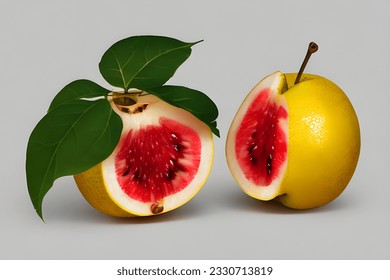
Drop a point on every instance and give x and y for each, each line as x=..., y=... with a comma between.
x=323, y=143
x=93, y=188
x=103, y=196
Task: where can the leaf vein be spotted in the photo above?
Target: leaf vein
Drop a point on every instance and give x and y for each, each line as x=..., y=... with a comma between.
x=154, y=58
x=39, y=195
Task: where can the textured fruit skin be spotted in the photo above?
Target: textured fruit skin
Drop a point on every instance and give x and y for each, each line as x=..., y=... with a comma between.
x=92, y=187
x=324, y=142
x=96, y=184
x=323, y=138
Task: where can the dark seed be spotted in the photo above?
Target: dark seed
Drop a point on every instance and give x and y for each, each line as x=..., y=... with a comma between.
x=177, y=147
x=170, y=175
x=172, y=162
x=140, y=109
x=254, y=133
x=252, y=147
x=156, y=209
x=253, y=160
x=126, y=171
x=137, y=175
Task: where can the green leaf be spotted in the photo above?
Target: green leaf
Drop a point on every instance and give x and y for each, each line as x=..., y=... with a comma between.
x=143, y=61
x=76, y=90
x=69, y=139
x=194, y=101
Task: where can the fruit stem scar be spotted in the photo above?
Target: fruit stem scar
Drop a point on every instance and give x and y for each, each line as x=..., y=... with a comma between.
x=313, y=47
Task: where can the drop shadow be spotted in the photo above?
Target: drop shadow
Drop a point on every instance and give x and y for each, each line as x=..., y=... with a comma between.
x=184, y=212
x=243, y=202
x=82, y=212
x=75, y=209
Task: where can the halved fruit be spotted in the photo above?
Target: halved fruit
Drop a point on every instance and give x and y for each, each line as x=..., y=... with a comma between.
x=297, y=143
x=162, y=160
x=256, y=147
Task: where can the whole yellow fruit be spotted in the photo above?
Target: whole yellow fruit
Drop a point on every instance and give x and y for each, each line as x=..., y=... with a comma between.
x=298, y=143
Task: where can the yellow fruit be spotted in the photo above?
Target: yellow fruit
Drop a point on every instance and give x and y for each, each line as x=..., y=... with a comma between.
x=308, y=155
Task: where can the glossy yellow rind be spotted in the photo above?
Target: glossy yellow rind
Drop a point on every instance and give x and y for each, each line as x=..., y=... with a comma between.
x=92, y=186
x=323, y=142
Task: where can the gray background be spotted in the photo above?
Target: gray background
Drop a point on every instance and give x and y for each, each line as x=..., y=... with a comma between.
x=47, y=44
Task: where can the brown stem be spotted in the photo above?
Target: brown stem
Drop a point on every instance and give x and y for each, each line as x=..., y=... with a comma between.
x=313, y=47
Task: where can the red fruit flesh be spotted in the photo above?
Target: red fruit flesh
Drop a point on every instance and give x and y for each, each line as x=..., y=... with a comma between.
x=261, y=143
x=157, y=160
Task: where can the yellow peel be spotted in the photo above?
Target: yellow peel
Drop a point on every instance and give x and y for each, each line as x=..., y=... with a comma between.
x=92, y=186
x=324, y=142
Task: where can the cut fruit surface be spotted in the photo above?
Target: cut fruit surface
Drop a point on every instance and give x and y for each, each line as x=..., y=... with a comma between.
x=261, y=141
x=256, y=148
x=162, y=160
x=158, y=160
